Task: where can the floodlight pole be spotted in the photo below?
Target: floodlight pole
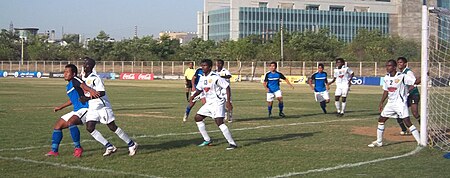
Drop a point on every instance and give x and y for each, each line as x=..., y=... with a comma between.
x=282, y=42
x=424, y=77
x=21, y=53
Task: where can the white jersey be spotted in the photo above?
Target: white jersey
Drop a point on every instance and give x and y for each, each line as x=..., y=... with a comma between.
x=96, y=83
x=397, y=87
x=342, y=76
x=211, y=85
x=224, y=72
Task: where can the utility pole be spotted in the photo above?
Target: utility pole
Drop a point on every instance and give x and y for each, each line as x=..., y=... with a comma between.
x=21, y=54
x=282, y=41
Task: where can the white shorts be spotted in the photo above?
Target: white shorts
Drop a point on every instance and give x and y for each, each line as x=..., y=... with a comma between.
x=198, y=97
x=80, y=113
x=321, y=96
x=103, y=115
x=395, y=110
x=270, y=96
x=213, y=110
x=341, y=91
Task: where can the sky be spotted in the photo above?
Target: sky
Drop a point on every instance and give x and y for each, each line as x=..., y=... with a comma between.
x=117, y=18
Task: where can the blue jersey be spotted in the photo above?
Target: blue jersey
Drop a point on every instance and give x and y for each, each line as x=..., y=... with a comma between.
x=198, y=74
x=320, y=81
x=74, y=92
x=273, y=80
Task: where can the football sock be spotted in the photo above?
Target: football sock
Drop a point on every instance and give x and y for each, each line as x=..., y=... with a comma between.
x=338, y=105
x=230, y=114
x=343, y=107
x=99, y=137
x=187, y=96
x=323, y=105
x=380, y=131
x=202, y=128
x=415, y=133
x=281, y=106
x=56, y=139
x=75, y=132
x=227, y=134
x=188, y=110
x=401, y=124
x=122, y=135
x=269, y=108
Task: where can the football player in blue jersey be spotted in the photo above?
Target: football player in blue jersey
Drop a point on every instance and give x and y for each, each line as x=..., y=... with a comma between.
x=195, y=79
x=320, y=88
x=272, y=86
x=74, y=90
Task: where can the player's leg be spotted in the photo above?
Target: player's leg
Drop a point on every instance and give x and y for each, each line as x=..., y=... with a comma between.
x=280, y=103
x=402, y=126
x=324, y=98
x=415, y=99
x=219, y=117
x=92, y=117
x=269, y=99
x=337, y=97
x=75, y=133
x=202, y=113
x=57, y=136
x=132, y=145
x=380, y=131
x=190, y=106
x=412, y=129
x=344, y=100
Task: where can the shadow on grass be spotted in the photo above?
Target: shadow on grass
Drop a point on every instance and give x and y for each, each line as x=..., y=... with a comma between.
x=319, y=113
x=138, y=108
x=165, y=146
x=285, y=137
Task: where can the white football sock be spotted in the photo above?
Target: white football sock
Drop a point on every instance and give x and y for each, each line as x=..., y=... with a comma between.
x=415, y=133
x=338, y=105
x=123, y=135
x=202, y=128
x=99, y=137
x=380, y=131
x=343, y=107
x=227, y=134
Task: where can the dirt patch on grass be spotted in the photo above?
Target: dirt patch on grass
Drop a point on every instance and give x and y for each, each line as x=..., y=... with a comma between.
x=390, y=133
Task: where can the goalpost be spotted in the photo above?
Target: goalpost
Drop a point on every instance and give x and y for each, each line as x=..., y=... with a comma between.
x=435, y=78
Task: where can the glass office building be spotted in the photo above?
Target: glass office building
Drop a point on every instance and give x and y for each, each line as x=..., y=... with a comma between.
x=267, y=21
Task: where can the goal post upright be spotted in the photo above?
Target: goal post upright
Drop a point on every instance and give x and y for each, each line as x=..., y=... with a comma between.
x=424, y=77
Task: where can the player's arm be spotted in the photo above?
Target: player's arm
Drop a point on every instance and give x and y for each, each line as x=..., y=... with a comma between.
x=193, y=82
x=226, y=75
x=332, y=81
x=383, y=98
x=266, y=79
x=326, y=81
x=310, y=83
x=350, y=80
x=229, y=105
x=287, y=81
x=62, y=106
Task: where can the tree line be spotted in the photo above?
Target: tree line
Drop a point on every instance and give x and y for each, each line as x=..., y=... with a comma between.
x=298, y=46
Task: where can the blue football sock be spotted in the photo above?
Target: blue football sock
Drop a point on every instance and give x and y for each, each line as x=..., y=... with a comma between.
x=56, y=139
x=270, y=109
x=75, y=135
x=188, y=110
x=131, y=143
x=108, y=145
x=281, y=106
x=323, y=105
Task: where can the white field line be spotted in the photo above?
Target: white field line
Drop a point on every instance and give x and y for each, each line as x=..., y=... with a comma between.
x=194, y=133
x=75, y=167
x=348, y=165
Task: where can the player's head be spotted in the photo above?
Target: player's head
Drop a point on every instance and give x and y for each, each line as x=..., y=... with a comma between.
x=401, y=63
x=320, y=67
x=191, y=65
x=206, y=65
x=89, y=64
x=340, y=62
x=273, y=66
x=70, y=71
x=391, y=66
x=219, y=64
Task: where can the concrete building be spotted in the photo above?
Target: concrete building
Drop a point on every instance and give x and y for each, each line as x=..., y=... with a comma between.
x=26, y=33
x=234, y=19
x=183, y=37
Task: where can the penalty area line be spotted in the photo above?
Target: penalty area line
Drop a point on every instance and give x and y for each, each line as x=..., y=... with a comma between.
x=75, y=167
x=350, y=165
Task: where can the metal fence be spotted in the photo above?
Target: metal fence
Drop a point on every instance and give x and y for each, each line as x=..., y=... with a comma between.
x=245, y=68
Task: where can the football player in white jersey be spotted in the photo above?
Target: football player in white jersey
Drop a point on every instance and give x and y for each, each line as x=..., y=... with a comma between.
x=100, y=110
x=396, y=90
x=342, y=76
x=224, y=73
x=211, y=84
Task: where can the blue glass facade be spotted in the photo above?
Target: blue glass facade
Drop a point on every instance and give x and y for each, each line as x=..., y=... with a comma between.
x=267, y=21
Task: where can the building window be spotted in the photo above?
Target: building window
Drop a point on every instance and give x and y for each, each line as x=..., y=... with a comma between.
x=336, y=8
x=312, y=7
x=286, y=5
x=263, y=4
x=361, y=9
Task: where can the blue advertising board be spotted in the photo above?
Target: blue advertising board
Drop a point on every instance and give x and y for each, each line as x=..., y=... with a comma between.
x=3, y=73
x=28, y=74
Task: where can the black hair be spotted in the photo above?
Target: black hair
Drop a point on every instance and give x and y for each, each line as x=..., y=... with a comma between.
x=220, y=61
x=340, y=59
x=393, y=62
x=207, y=61
x=73, y=68
x=321, y=65
x=403, y=59
x=276, y=66
x=90, y=61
